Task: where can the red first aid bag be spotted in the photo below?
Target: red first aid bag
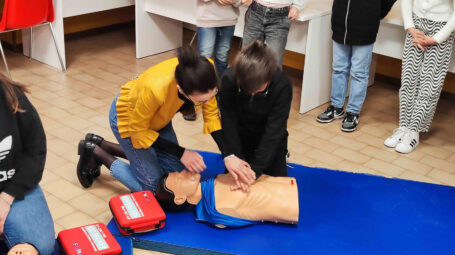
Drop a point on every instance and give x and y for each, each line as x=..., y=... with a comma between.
x=137, y=212
x=94, y=239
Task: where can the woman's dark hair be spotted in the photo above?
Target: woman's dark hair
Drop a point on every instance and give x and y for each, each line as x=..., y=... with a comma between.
x=165, y=197
x=11, y=89
x=194, y=72
x=255, y=65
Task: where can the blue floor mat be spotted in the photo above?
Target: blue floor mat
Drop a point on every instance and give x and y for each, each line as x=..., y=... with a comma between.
x=340, y=213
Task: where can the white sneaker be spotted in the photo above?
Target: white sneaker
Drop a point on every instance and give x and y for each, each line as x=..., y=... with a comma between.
x=408, y=143
x=396, y=137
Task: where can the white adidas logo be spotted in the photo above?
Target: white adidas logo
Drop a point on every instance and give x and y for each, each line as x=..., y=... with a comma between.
x=5, y=147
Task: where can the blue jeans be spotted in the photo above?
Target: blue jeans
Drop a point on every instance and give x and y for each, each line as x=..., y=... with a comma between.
x=147, y=166
x=268, y=25
x=355, y=61
x=216, y=40
x=29, y=221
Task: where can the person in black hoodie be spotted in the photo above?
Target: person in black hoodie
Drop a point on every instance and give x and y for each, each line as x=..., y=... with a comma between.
x=255, y=101
x=26, y=224
x=355, y=24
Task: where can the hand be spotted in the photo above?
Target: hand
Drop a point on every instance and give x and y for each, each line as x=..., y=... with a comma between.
x=247, y=2
x=241, y=186
x=417, y=35
x=5, y=207
x=193, y=161
x=240, y=171
x=428, y=41
x=24, y=249
x=420, y=46
x=293, y=13
x=226, y=2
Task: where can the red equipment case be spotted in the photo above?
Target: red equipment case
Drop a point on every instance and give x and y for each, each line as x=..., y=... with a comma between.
x=137, y=212
x=93, y=239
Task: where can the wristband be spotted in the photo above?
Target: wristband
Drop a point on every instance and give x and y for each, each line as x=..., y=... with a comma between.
x=229, y=156
x=10, y=204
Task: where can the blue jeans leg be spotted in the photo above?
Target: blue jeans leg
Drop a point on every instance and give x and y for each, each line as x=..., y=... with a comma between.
x=222, y=47
x=340, y=76
x=216, y=40
x=146, y=165
x=29, y=221
x=360, y=72
x=206, y=37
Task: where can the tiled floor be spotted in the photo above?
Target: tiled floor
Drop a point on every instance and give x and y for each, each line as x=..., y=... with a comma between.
x=76, y=102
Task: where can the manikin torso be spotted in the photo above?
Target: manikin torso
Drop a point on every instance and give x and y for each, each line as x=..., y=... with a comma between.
x=272, y=199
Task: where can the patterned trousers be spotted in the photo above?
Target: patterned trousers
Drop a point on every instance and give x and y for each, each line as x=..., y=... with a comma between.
x=422, y=79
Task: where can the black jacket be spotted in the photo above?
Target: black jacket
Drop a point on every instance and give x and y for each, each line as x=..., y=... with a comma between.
x=22, y=147
x=356, y=22
x=258, y=122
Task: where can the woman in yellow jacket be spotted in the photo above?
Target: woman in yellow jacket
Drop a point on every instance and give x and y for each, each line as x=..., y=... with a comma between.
x=141, y=120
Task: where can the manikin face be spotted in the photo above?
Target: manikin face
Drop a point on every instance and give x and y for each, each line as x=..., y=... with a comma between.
x=184, y=184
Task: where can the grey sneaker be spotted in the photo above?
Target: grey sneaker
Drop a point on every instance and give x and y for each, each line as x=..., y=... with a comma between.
x=350, y=122
x=330, y=114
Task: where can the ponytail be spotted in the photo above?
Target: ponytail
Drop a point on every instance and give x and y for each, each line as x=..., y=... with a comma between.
x=11, y=89
x=194, y=72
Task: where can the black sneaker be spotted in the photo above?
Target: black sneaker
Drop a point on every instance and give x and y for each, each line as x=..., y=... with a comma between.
x=330, y=114
x=350, y=122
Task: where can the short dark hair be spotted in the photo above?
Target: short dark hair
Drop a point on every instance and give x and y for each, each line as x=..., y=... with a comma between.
x=194, y=72
x=255, y=65
x=165, y=197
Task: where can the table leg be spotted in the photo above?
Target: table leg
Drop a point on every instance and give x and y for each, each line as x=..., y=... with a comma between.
x=43, y=44
x=317, y=74
x=154, y=33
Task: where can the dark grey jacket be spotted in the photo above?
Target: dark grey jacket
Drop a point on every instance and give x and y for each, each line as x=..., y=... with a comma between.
x=356, y=22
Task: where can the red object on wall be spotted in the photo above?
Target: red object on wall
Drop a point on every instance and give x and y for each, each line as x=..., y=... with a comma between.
x=19, y=14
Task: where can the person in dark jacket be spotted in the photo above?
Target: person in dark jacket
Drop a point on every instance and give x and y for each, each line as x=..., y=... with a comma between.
x=255, y=100
x=26, y=224
x=355, y=24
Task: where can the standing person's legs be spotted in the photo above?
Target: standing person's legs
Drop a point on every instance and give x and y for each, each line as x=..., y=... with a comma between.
x=29, y=221
x=411, y=67
x=410, y=85
x=360, y=71
x=276, y=35
x=254, y=27
x=222, y=47
x=340, y=76
x=206, y=38
x=434, y=68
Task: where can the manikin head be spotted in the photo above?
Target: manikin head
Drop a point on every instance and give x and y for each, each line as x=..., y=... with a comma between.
x=175, y=191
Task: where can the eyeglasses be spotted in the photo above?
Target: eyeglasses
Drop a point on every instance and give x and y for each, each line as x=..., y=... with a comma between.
x=199, y=103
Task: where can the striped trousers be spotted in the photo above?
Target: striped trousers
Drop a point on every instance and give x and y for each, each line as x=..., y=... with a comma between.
x=422, y=79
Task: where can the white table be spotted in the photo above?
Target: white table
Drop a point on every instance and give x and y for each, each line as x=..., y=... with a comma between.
x=391, y=36
x=43, y=48
x=159, y=28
